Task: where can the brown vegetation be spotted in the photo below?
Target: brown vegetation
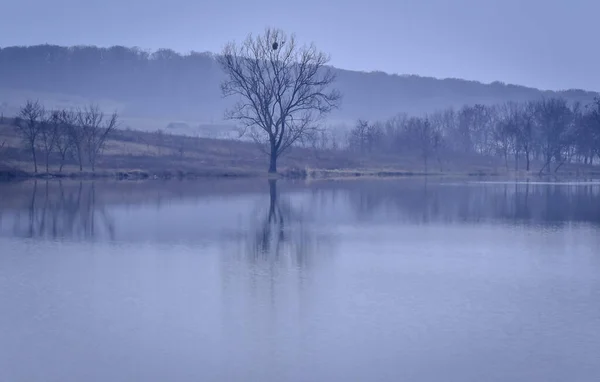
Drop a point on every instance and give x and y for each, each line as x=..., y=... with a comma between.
x=139, y=154
x=133, y=155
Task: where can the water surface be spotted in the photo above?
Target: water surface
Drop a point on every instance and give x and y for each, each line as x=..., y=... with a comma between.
x=389, y=280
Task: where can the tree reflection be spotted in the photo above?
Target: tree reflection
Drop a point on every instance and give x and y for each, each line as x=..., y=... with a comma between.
x=516, y=202
x=279, y=233
x=270, y=234
x=57, y=211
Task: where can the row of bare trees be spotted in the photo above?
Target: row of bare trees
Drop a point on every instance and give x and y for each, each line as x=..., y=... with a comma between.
x=550, y=131
x=79, y=134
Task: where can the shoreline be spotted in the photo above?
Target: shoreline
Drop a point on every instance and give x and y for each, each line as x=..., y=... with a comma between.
x=15, y=175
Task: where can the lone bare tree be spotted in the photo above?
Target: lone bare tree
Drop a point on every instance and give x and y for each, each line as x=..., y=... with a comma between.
x=282, y=89
x=29, y=126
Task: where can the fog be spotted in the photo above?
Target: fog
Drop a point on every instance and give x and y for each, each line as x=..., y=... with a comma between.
x=539, y=43
x=154, y=89
x=189, y=193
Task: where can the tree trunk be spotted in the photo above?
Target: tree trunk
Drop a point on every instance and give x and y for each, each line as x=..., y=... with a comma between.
x=546, y=164
x=273, y=202
x=48, y=163
x=273, y=192
x=62, y=162
x=439, y=162
x=32, y=208
x=273, y=160
x=527, y=159
x=34, y=158
x=561, y=163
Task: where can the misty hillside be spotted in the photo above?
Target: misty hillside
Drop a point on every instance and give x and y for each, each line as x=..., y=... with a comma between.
x=165, y=86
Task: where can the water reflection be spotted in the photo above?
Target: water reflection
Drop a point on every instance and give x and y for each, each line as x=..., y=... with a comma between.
x=357, y=280
x=285, y=225
x=515, y=203
x=280, y=232
x=55, y=211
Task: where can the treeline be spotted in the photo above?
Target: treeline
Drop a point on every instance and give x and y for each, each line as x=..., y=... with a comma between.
x=78, y=134
x=149, y=84
x=550, y=131
x=539, y=136
x=127, y=72
x=165, y=83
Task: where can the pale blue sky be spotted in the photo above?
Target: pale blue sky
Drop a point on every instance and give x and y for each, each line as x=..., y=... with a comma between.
x=552, y=44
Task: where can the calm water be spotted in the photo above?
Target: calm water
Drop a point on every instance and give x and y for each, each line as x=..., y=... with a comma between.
x=330, y=281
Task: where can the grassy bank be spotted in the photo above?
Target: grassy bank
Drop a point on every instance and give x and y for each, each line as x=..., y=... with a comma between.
x=143, y=155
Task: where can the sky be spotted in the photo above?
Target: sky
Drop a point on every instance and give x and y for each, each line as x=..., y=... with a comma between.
x=549, y=44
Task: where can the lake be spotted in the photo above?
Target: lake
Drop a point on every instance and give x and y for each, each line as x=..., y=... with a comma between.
x=246, y=280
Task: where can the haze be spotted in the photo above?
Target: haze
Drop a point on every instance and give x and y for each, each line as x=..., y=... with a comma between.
x=540, y=43
x=177, y=206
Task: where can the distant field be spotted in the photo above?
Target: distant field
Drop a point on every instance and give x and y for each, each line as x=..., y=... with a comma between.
x=166, y=153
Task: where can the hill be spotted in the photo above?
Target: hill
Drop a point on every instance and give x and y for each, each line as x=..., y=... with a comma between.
x=153, y=89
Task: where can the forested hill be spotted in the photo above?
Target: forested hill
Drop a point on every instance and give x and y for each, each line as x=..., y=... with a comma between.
x=167, y=85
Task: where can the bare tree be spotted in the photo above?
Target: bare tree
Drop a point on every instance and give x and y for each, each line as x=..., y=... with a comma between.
x=587, y=132
x=594, y=120
x=422, y=135
x=49, y=131
x=28, y=124
x=64, y=140
x=526, y=130
x=358, y=136
x=505, y=131
x=282, y=89
x=160, y=140
x=437, y=141
x=554, y=120
x=462, y=136
x=96, y=129
x=77, y=138
x=180, y=146
x=2, y=144
x=443, y=122
x=317, y=142
x=323, y=140
x=482, y=130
